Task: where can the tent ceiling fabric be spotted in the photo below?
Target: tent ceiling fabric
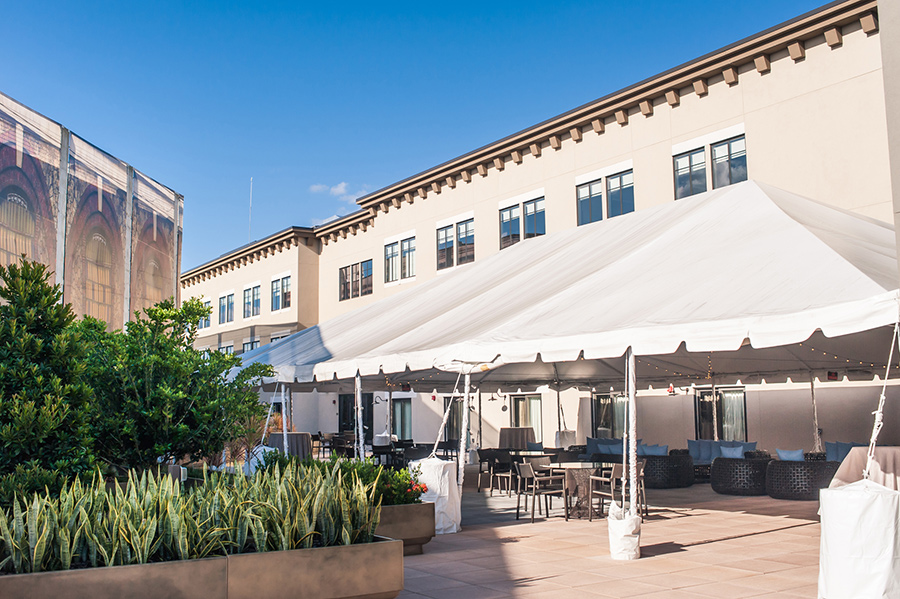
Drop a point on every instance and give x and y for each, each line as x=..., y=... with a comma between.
x=725, y=283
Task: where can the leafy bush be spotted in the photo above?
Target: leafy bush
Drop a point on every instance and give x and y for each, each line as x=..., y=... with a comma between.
x=158, y=397
x=44, y=397
x=392, y=487
x=152, y=520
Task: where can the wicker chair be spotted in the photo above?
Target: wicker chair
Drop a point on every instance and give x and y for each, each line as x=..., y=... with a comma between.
x=738, y=476
x=798, y=481
x=673, y=471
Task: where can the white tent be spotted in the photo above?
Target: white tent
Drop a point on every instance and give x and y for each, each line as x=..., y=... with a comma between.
x=747, y=282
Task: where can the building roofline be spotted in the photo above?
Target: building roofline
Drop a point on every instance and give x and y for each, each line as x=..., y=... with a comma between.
x=616, y=106
x=250, y=252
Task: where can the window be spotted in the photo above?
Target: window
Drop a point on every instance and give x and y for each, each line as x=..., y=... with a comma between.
x=509, y=226
x=391, y=262
x=445, y=247
x=465, y=242
x=365, y=277
x=690, y=173
x=727, y=415
x=98, y=291
x=534, y=218
x=527, y=412
x=250, y=345
x=276, y=295
x=590, y=202
x=408, y=258
x=251, y=302
x=275, y=338
x=286, y=292
x=401, y=419
x=454, y=422
x=226, y=308
x=355, y=280
x=608, y=415
x=204, y=322
x=620, y=194
x=344, y=283
x=729, y=162
x=226, y=349
x=16, y=228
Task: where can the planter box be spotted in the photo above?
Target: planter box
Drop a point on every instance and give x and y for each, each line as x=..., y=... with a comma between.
x=370, y=571
x=413, y=524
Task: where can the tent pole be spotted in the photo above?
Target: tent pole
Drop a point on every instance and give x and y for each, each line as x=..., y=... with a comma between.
x=390, y=415
x=359, y=422
x=632, y=433
x=463, y=435
x=817, y=436
x=558, y=402
x=480, y=420
x=283, y=422
x=715, y=412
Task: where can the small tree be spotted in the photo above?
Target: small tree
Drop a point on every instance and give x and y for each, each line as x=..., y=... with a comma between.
x=157, y=396
x=44, y=398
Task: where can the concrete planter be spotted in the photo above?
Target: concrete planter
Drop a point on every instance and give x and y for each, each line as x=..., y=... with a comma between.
x=370, y=571
x=413, y=524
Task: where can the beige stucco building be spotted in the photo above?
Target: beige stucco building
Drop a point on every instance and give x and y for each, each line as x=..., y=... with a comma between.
x=800, y=106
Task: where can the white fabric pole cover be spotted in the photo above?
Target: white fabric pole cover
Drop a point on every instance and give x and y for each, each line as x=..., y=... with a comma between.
x=440, y=478
x=464, y=434
x=859, y=554
x=360, y=454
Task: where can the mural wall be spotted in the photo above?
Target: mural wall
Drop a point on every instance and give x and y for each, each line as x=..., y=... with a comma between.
x=111, y=234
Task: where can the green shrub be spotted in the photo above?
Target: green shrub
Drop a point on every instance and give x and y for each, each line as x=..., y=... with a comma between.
x=45, y=400
x=392, y=487
x=158, y=397
x=151, y=519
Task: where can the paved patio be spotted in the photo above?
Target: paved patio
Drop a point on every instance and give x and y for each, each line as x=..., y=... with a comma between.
x=694, y=544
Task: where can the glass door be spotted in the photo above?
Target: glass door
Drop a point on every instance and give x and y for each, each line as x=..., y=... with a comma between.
x=527, y=412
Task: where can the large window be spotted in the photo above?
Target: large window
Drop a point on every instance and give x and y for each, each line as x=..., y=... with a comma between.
x=527, y=412
x=453, y=428
x=408, y=258
x=227, y=349
x=16, y=228
x=251, y=301
x=690, y=173
x=276, y=295
x=729, y=162
x=281, y=293
x=98, y=294
x=355, y=280
x=620, y=194
x=204, y=322
x=401, y=419
x=590, y=202
x=226, y=308
x=608, y=415
x=445, y=247
x=509, y=226
x=391, y=262
x=250, y=345
x=727, y=414
x=534, y=218
x=465, y=242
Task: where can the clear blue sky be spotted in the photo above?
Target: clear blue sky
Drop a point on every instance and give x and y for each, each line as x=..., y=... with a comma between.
x=320, y=103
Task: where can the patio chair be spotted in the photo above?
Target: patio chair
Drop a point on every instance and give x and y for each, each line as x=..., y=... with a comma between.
x=798, y=481
x=501, y=469
x=484, y=466
x=604, y=486
x=672, y=471
x=738, y=476
x=543, y=486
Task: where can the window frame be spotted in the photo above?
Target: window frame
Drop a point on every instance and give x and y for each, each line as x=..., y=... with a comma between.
x=620, y=188
x=730, y=158
x=590, y=200
x=690, y=154
x=537, y=219
x=408, y=258
x=513, y=237
x=469, y=255
x=392, y=262
x=445, y=247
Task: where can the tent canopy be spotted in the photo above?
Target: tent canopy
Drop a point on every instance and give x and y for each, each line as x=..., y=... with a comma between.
x=743, y=280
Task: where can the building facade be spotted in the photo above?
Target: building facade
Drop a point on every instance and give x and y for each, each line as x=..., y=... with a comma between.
x=111, y=234
x=800, y=106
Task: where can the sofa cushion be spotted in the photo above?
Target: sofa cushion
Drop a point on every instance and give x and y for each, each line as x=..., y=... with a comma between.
x=790, y=455
x=656, y=449
x=694, y=449
x=831, y=452
x=732, y=452
x=705, y=451
x=592, y=446
x=748, y=446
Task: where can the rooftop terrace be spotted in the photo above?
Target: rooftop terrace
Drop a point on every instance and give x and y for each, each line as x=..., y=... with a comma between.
x=695, y=543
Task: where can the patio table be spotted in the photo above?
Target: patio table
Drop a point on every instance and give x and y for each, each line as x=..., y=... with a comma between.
x=578, y=484
x=516, y=437
x=885, y=470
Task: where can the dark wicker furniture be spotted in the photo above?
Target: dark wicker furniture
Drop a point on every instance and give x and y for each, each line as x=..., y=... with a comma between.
x=672, y=471
x=738, y=476
x=798, y=480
